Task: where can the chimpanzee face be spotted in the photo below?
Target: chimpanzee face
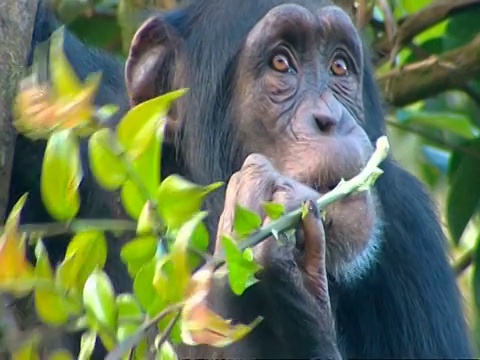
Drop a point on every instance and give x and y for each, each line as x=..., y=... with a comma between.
x=299, y=77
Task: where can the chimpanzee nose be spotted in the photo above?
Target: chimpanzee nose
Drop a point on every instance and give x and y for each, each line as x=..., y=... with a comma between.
x=326, y=122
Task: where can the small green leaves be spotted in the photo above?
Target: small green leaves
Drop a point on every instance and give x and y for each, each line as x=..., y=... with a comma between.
x=146, y=219
x=50, y=304
x=14, y=265
x=137, y=252
x=108, y=169
x=85, y=252
x=273, y=210
x=137, y=118
x=140, y=133
x=129, y=309
x=143, y=287
x=61, y=176
x=87, y=345
x=146, y=171
x=179, y=254
x=166, y=352
x=241, y=266
x=63, y=76
x=99, y=300
x=179, y=199
x=245, y=221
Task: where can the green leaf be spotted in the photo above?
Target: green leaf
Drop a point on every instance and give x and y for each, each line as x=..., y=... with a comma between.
x=106, y=166
x=143, y=287
x=179, y=199
x=146, y=221
x=463, y=198
x=462, y=28
x=199, y=243
x=454, y=123
x=85, y=252
x=50, y=306
x=164, y=280
x=241, y=267
x=166, y=352
x=61, y=355
x=145, y=136
x=64, y=79
x=412, y=6
x=179, y=254
x=132, y=199
x=245, y=221
x=139, y=250
x=16, y=271
x=105, y=112
x=147, y=168
x=273, y=210
x=125, y=331
x=99, y=299
x=135, y=120
x=87, y=345
x=99, y=31
x=129, y=308
x=61, y=176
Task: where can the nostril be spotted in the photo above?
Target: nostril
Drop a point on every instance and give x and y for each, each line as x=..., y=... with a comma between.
x=325, y=124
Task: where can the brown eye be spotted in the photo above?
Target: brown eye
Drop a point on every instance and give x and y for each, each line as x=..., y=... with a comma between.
x=280, y=63
x=339, y=67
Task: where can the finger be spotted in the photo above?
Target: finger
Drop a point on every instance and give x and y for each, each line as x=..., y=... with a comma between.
x=249, y=188
x=314, y=240
x=225, y=225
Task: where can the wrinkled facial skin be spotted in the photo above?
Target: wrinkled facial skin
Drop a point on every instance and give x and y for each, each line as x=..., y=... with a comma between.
x=308, y=112
x=301, y=106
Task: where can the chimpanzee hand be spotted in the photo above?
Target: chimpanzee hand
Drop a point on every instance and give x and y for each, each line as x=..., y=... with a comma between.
x=258, y=182
x=293, y=278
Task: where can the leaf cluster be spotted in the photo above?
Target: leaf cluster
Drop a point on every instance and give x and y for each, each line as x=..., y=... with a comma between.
x=167, y=254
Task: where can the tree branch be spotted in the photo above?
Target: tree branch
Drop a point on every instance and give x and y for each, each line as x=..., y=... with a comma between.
x=16, y=18
x=421, y=21
x=16, y=27
x=432, y=76
x=463, y=262
x=54, y=229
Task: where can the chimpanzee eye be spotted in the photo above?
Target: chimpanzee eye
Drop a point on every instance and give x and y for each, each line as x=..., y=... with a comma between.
x=339, y=66
x=281, y=63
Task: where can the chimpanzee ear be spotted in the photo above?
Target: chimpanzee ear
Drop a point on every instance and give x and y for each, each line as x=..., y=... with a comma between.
x=151, y=58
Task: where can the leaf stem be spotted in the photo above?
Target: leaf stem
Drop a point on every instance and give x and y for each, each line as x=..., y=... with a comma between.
x=129, y=343
x=62, y=228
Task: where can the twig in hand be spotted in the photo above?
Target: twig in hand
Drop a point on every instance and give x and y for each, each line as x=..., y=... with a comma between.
x=358, y=183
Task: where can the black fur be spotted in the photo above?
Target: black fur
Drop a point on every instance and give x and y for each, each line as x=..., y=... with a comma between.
x=408, y=306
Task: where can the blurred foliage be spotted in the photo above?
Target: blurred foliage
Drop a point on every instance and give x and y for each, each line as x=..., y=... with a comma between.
x=162, y=257
x=169, y=291
x=437, y=138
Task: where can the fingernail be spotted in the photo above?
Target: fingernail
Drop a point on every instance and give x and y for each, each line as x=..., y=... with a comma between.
x=313, y=208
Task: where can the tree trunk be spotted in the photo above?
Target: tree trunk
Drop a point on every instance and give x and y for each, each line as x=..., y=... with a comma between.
x=16, y=26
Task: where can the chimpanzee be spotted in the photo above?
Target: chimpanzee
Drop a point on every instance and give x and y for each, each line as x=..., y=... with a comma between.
x=282, y=105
